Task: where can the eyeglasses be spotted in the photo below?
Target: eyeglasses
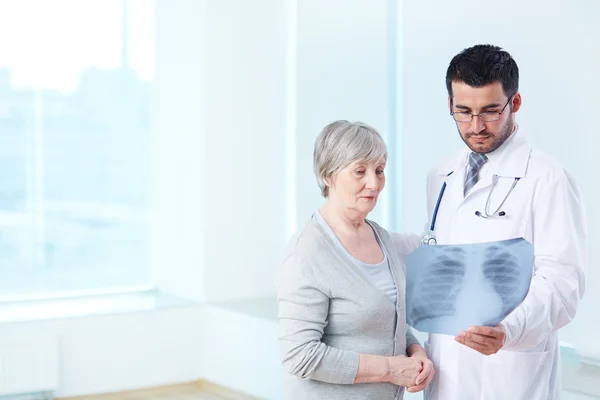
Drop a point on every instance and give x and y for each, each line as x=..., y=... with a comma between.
x=487, y=116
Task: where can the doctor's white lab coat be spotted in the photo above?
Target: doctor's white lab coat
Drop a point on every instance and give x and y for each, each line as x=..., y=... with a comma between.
x=545, y=208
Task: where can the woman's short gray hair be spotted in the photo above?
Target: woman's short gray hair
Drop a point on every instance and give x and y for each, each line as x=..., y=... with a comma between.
x=340, y=144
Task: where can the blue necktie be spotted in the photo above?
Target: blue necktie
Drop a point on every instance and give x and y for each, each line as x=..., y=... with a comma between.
x=476, y=161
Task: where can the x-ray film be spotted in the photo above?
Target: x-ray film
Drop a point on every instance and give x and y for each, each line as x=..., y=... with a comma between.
x=452, y=287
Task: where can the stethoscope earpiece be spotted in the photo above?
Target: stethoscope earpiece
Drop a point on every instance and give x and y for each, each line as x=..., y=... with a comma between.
x=479, y=214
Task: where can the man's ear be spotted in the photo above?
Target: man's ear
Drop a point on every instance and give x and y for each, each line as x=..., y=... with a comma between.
x=516, y=102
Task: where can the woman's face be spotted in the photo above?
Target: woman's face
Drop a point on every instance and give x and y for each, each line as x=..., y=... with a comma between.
x=357, y=186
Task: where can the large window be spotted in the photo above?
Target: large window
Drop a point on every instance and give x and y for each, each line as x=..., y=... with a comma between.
x=75, y=86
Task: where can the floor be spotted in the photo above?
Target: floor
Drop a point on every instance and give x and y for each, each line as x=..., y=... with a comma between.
x=194, y=391
x=187, y=391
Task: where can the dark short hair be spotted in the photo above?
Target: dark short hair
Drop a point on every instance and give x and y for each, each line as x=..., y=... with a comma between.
x=481, y=65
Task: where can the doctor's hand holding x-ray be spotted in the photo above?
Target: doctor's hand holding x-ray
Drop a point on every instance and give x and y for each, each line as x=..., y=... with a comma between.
x=484, y=339
x=500, y=188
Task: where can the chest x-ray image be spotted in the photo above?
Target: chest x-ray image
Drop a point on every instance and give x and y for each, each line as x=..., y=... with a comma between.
x=452, y=287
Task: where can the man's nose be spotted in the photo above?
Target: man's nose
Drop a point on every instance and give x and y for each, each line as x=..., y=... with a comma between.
x=477, y=125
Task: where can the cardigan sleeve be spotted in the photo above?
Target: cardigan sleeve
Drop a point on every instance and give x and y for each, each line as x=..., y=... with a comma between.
x=303, y=307
x=410, y=337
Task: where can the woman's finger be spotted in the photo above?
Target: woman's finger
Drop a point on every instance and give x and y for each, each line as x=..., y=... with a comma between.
x=427, y=367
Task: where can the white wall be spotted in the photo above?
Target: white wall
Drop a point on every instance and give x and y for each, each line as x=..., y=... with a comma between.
x=245, y=136
x=100, y=354
x=178, y=236
x=555, y=44
x=241, y=352
x=220, y=135
x=345, y=62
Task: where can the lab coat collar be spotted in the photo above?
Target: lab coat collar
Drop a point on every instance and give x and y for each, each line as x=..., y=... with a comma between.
x=509, y=160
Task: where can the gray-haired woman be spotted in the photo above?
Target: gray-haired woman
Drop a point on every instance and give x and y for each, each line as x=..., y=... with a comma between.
x=343, y=331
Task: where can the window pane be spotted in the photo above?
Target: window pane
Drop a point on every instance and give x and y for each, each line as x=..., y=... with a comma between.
x=75, y=153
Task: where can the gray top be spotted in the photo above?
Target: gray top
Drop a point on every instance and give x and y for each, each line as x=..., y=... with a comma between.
x=330, y=312
x=379, y=274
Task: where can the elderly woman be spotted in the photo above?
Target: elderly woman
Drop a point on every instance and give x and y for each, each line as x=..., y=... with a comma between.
x=343, y=331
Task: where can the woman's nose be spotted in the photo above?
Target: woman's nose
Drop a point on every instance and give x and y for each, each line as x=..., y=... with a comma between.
x=372, y=181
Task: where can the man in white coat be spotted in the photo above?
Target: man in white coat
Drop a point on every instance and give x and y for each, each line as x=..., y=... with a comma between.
x=499, y=188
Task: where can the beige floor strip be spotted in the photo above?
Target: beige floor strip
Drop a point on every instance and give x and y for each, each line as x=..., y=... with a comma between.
x=199, y=390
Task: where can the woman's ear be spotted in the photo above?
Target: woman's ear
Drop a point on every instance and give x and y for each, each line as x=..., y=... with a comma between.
x=329, y=181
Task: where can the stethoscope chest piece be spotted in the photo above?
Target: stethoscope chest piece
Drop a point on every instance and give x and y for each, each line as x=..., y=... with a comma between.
x=429, y=239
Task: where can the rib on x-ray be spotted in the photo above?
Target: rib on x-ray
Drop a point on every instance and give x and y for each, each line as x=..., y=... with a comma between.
x=452, y=287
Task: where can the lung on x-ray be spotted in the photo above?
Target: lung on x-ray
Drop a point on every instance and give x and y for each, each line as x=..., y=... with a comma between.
x=452, y=287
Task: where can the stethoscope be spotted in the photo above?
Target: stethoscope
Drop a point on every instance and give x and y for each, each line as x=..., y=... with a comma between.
x=429, y=238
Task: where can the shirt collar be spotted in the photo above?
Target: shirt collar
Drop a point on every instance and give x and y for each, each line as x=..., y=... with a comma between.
x=510, y=159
